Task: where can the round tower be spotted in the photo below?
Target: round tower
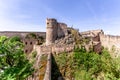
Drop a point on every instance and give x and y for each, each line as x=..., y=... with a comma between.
x=51, y=31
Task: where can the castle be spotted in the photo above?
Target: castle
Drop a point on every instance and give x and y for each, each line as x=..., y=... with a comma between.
x=61, y=38
x=57, y=35
x=55, y=30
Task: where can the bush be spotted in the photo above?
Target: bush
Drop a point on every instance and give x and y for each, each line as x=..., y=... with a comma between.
x=93, y=65
x=13, y=63
x=83, y=65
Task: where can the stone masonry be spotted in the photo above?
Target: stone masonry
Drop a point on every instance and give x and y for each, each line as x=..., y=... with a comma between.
x=54, y=30
x=28, y=43
x=57, y=35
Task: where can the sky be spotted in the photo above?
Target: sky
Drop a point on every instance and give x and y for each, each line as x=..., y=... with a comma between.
x=30, y=15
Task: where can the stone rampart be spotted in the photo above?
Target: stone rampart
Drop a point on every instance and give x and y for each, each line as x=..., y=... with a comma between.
x=62, y=48
x=54, y=30
x=97, y=48
x=43, y=49
x=109, y=41
x=55, y=49
x=91, y=33
x=48, y=68
x=28, y=44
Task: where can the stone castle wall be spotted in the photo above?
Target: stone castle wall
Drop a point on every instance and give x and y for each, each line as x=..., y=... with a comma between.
x=109, y=41
x=55, y=30
x=62, y=30
x=92, y=33
x=28, y=43
x=55, y=49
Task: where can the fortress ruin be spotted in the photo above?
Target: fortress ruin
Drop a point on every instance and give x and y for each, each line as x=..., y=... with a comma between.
x=60, y=38
x=54, y=30
x=57, y=34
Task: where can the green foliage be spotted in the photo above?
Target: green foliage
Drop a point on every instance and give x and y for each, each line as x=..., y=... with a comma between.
x=31, y=35
x=40, y=39
x=93, y=65
x=86, y=40
x=82, y=75
x=33, y=54
x=61, y=60
x=76, y=36
x=83, y=65
x=14, y=64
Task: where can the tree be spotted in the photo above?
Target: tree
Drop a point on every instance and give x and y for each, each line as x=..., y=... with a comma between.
x=31, y=35
x=13, y=63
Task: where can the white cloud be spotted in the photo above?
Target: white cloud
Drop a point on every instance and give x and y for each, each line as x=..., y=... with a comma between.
x=9, y=24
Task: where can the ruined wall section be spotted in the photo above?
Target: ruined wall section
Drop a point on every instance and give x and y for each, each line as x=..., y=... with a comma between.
x=94, y=36
x=28, y=44
x=109, y=41
x=112, y=43
x=62, y=30
x=55, y=49
x=92, y=33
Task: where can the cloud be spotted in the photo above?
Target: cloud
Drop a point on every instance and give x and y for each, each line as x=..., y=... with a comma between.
x=10, y=21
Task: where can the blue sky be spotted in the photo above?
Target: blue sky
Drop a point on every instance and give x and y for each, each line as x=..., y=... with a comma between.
x=30, y=15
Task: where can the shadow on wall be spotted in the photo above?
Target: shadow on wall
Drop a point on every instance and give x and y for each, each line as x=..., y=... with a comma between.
x=62, y=30
x=56, y=74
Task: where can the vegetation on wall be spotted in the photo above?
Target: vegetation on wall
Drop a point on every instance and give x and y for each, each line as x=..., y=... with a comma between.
x=43, y=65
x=40, y=39
x=13, y=63
x=31, y=35
x=76, y=35
x=83, y=65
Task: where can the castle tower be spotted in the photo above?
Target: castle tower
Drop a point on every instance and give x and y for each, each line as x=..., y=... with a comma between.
x=51, y=30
